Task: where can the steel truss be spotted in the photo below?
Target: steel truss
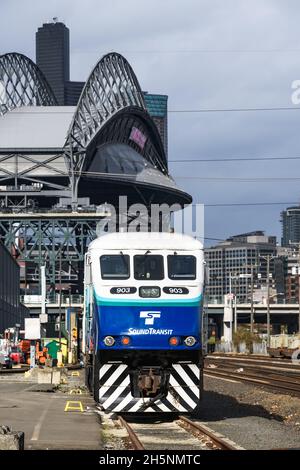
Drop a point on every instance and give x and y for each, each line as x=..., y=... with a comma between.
x=22, y=84
x=111, y=103
x=23, y=170
x=37, y=241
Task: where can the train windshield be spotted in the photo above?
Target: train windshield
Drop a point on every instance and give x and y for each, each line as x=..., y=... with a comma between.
x=115, y=266
x=182, y=267
x=148, y=267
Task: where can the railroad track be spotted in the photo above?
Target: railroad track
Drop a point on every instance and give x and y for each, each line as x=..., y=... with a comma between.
x=287, y=371
x=256, y=360
x=179, y=434
x=14, y=371
x=258, y=376
x=278, y=374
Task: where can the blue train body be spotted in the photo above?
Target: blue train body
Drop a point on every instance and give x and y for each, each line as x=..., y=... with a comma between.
x=149, y=325
x=144, y=354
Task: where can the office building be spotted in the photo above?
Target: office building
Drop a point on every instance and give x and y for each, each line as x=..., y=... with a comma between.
x=53, y=59
x=157, y=106
x=290, y=219
x=53, y=56
x=230, y=264
x=291, y=262
x=12, y=312
x=72, y=92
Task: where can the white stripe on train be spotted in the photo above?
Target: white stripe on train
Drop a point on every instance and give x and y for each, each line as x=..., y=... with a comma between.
x=174, y=403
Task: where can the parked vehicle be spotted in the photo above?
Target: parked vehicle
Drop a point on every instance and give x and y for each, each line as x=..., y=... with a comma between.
x=16, y=355
x=5, y=361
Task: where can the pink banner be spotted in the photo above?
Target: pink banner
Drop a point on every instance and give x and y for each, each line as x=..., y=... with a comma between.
x=138, y=137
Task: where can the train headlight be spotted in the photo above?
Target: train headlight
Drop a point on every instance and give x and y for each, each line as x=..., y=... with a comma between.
x=109, y=341
x=190, y=341
x=149, y=292
x=174, y=341
x=125, y=340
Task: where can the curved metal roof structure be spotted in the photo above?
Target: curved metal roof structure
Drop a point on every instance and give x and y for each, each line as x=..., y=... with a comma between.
x=110, y=107
x=111, y=86
x=22, y=83
x=112, y=144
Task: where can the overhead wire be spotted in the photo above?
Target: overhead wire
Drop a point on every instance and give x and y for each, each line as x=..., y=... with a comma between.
x=233, y=110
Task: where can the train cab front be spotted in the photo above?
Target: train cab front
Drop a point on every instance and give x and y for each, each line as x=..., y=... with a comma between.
x=150, y=358
x=147, y=325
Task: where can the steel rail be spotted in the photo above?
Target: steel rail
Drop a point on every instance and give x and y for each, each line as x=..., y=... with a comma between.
x=268, y=361
x=219, y=441
x=250, y=357
x=256, y=364
x=256, y=371
x=253, y=380
x=136, y=443
x=14, y=371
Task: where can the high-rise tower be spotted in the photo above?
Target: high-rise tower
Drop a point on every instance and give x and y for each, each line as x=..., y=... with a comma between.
x=53, y=56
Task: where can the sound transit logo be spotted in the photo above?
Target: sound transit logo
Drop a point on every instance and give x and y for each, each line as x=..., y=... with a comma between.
x=149, y=317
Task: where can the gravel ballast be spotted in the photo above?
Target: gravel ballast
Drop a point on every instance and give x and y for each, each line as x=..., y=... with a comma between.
x=252, y=417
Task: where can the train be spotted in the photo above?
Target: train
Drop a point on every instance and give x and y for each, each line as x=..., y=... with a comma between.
x=144, y=322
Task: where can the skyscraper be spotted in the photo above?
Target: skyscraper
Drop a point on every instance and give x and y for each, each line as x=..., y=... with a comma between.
x=53, y=56
x=157, y=106
x=290, y=219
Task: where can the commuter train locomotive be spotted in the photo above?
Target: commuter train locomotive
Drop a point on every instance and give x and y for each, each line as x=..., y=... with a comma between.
x=144, y=322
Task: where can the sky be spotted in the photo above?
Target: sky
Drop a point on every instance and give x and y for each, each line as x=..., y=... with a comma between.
x=204, y=54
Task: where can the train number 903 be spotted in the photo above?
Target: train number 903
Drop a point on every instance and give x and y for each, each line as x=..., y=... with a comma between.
x=175, y=290
x=123, y=290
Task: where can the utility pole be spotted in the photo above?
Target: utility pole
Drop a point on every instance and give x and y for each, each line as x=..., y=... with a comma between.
x=230, y=289
x=235, y=314
x=233, y=302
x=298, y=273
x=268, y=300
x=252, y=302
x=268, y=259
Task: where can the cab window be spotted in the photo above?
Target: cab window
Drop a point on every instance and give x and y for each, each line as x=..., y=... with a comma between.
x=114, y=266
x=148, y=267
x=181, y=267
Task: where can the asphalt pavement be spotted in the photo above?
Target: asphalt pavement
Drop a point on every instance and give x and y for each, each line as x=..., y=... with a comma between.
x=42, y=416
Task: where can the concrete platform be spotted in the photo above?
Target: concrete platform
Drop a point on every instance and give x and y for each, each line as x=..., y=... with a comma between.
x=42, y=417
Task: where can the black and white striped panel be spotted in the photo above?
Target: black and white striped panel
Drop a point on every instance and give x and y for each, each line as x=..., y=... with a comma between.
x=115, y=392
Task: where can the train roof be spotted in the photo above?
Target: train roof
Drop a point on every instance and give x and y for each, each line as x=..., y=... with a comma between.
x=145, y=241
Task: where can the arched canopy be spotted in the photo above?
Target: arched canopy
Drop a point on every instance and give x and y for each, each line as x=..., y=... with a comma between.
x=22, y=84
x=112, y=109
x=111, y=86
